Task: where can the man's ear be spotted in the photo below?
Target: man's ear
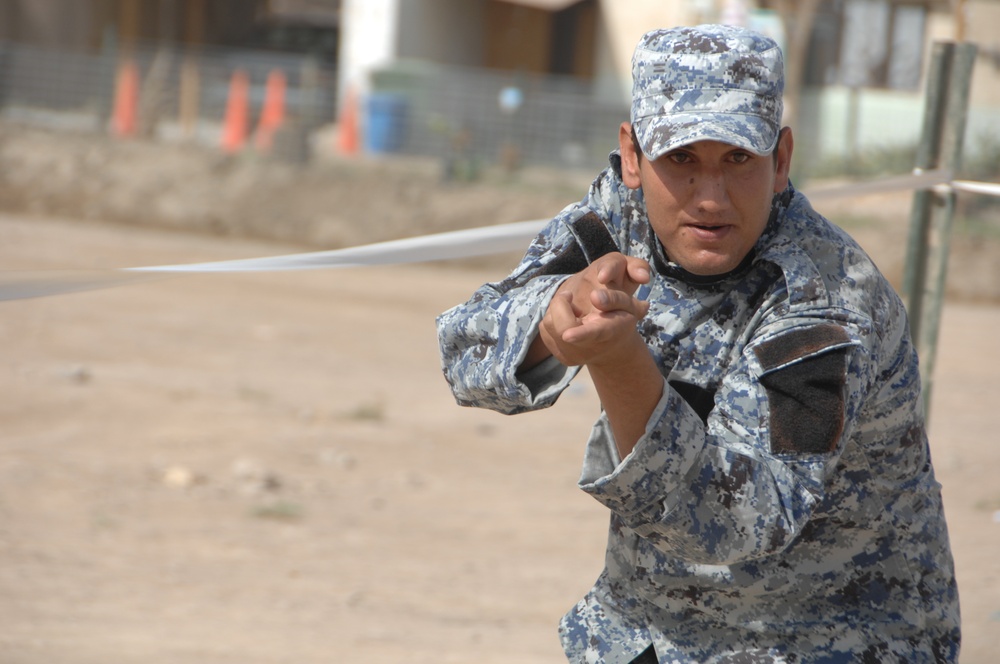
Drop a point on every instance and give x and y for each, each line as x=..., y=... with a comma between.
x=782, y=159
x=630, y=158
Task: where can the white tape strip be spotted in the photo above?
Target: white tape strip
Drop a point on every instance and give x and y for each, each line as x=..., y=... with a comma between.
x=16, y=285
x=440, y=246
x=23, y=284
x=977, y=187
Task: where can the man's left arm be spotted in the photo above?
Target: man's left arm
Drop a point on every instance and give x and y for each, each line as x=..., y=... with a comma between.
x=738, y=479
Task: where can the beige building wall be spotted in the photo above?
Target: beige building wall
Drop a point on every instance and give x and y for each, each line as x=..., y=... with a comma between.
x=623, y=22
x=981, y=28
x=622, y=30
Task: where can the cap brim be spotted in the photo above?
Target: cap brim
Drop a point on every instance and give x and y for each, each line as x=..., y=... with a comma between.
x=660, y=134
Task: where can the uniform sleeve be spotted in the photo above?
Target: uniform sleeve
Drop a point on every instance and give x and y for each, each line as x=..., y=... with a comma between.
x=738, y=480
x=484, y=340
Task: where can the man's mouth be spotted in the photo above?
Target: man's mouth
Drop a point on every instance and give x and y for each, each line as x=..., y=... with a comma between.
x=710, y=231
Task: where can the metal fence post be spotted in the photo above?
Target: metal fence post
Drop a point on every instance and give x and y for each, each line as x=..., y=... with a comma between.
x=928, y=155
x=946, y=110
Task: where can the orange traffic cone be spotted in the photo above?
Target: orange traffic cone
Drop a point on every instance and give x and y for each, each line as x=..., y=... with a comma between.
x=273, y=113
x=125, y=118
x=234, y=131
x=347, y=135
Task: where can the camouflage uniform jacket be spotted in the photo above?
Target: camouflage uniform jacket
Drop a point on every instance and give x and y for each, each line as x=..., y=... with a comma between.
x=781, y=505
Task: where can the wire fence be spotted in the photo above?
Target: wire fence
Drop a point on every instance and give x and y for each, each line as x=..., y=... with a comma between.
x=470, y=115
x=465, y=116
x=78, y=89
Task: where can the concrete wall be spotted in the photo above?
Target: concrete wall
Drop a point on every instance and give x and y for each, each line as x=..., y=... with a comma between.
x=48, y=23
x=454, y=32
x=369, y=30
x=844, y=121
x=377, y=32
x=866, y=119
x=442, y=31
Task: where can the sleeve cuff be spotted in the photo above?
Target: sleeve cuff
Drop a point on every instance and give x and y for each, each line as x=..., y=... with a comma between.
x=651, y=473
x=543, y=383
x=543, y=377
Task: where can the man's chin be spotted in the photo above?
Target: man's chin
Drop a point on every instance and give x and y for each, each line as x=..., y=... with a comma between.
x=711, y=265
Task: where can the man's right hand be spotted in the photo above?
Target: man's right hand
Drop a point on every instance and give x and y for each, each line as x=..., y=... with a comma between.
x=593, y=313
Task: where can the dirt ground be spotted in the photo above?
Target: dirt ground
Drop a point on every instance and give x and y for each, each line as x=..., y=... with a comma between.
x=269, y=468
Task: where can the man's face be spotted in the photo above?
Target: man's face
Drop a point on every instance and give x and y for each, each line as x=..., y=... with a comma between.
x=708, y=202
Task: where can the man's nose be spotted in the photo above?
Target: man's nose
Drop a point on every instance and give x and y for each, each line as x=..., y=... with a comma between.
x=711, y=192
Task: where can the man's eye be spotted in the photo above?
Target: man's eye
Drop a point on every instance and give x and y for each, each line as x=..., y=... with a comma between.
x=680, y=157
x=740, y=157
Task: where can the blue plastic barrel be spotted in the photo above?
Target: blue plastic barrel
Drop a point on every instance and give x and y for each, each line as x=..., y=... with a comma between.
x=386, y=128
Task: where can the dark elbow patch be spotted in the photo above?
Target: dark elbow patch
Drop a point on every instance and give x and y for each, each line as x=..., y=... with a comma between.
x=806, y=397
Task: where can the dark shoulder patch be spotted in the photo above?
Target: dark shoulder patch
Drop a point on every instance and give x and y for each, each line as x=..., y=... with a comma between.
x=594, y=237
x=570, y=261
x=593, y=240
x=805, y=374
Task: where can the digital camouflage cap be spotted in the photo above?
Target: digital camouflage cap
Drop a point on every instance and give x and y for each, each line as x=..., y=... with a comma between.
x=709, y=82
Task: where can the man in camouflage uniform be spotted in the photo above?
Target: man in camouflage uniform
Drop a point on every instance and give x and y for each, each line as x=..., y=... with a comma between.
x=761, y=445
